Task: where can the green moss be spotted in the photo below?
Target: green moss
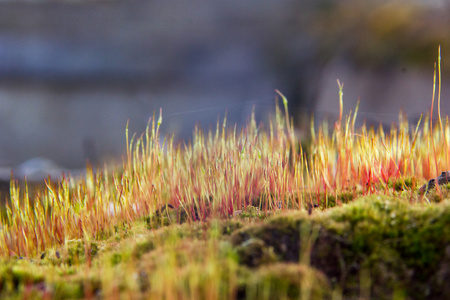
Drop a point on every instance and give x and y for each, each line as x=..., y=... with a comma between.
x=401, y=245
x=142, y=247
x=23, y=273
x=17, y=276
x=284, y=281
x=230, y=226
x=167, y=215
x=401, y=184
x=251, y=212
x=382, y=246
x=374, y=220
x=329, y=200
x=436, y=196
x=279, y=233
x=116, y=258
x=68, y=290
x=77, y=251
x=254, y=252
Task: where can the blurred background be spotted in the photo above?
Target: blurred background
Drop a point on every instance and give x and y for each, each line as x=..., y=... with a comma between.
x=73, y=72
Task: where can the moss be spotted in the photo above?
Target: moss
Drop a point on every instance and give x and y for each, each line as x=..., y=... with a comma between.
x=401, y=184
x=116, y=258
x=251, y=212
x=142, y=247
x=376, y=219
x=436, y=196
x=68, y=290
x=167, y=215
x=329, y=200
x=401, y=246
x=387, y=271
x=254, y=252
x=19, y=275
x=76, y=252
x=284, y=281
x=265, y=201
x=23, y=273
x=279, y=234
x=382, y=246
x=76, y=289
x=404, y=245
x=230, y=226
x=94, y=248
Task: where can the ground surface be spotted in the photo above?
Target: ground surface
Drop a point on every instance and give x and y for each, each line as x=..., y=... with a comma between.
x=375, y=247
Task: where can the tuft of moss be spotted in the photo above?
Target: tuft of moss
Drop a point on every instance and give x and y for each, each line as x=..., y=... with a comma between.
x=328, y=200
x=230, y=226
x=283, y=281
x=143, y=246
x=68, y=290
x=401, y=247
x=254, y=252
x=77, y=251
x=438, y=194
x=402, y=184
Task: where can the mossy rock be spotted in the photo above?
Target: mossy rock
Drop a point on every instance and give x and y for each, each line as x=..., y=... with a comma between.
x=401, y=247
x=379, y=246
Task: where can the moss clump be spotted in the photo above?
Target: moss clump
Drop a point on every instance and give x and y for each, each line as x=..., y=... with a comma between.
x=283, y=281
x=251, y=212
x=76, y=288
x=281, y=234
x=142, y=247
x=168, y=214
x=78, y=252
x=438, y=193
x=402, y=184
x=328, y=201
x=116, y=258
x=16, y=275
x=419, y=233
x=254, y=252
x=68, y=290
x=377, y=246
x=230, y=226
x=402, y=247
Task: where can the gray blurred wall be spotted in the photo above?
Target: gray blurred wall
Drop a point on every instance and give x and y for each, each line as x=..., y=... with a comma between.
x=73, y=73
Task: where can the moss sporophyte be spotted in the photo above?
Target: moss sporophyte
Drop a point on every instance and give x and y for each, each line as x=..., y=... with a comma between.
x=251, y=213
